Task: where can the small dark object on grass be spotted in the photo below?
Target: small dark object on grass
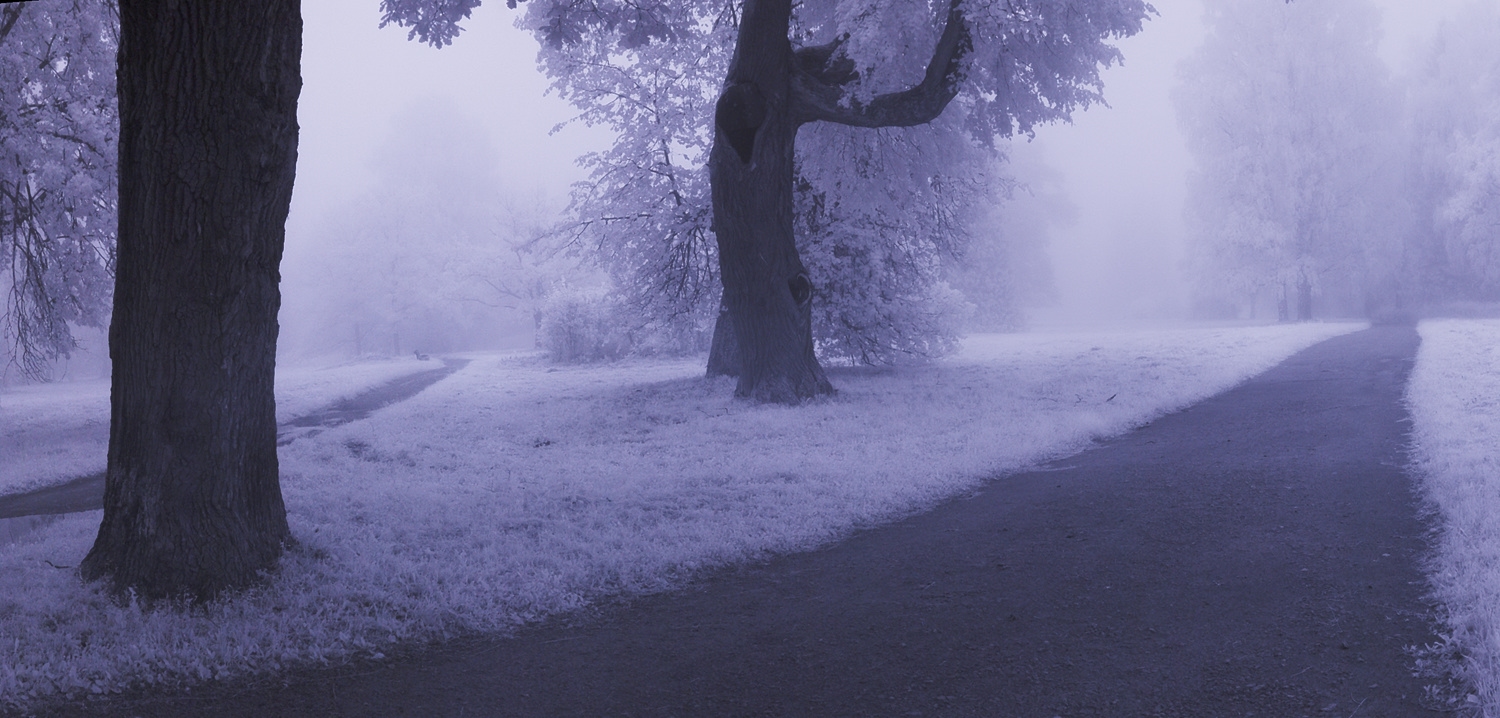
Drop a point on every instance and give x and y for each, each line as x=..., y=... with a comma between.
x=420, y=356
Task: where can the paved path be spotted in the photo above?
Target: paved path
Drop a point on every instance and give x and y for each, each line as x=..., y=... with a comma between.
x=86, y=493
x=1256, y=554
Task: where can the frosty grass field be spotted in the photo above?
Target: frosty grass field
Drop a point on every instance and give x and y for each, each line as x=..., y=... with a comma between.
x=515, y=489
x=1454, y=397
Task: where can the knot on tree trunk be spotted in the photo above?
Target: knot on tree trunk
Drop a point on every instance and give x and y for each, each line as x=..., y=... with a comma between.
x=801, y=288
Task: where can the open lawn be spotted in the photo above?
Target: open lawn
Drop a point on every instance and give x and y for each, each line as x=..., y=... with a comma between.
x=50, y=433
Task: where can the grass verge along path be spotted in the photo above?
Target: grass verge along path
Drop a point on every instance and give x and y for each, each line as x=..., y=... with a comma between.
x=1256, y=553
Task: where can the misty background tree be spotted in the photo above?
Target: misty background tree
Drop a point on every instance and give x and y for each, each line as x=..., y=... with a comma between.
x=207, y=154
x=435, y=255
x=1290, y=116
x=857, y=64
x=57, y=176
x=1454, y=249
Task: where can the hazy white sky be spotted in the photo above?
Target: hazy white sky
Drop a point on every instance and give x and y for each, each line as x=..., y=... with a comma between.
x=358, y=79
x=1124, y=165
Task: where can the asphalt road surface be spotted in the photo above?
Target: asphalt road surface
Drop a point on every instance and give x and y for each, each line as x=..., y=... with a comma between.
x=1254, y=555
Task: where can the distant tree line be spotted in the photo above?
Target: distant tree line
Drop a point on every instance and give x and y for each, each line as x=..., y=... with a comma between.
x=1323, y=180
x=1297, y=191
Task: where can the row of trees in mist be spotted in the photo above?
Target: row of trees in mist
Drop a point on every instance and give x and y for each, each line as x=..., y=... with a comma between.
x=1319, y=173
x=900, y=110
x=820, y=146
x=207, y=98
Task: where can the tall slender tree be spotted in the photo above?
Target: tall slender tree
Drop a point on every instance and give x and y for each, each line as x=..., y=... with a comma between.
x=207, y=154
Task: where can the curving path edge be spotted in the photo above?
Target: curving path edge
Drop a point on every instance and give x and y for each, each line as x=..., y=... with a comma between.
x=1255, y=554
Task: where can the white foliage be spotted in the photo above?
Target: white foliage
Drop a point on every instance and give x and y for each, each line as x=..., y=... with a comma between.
x=645, y=213
x=58, y=129
x=580, y=325
x=879, y=211
x=1471, y=214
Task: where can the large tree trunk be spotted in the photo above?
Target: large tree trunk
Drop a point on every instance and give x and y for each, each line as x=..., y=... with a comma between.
x=769, y=92
x=766, y=288
x=208, y=147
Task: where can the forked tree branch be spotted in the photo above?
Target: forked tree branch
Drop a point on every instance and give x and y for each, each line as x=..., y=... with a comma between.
x=820, y=77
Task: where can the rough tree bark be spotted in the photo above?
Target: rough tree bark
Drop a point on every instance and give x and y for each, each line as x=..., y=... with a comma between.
x=208, y=148
x=772, y=89
x=724, y=349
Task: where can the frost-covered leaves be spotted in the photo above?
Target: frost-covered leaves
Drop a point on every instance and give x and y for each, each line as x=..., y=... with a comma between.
x=645, y=213
x=877, y=214
x=1286, y=109
x=878, y=210
x=874, y=239
x=1469, y=217
x=57, y=173
x=435, y=21
x=1032, y=61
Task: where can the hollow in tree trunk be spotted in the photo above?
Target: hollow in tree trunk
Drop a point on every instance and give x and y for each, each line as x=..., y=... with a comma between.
x=207, y=154
x=766, y=288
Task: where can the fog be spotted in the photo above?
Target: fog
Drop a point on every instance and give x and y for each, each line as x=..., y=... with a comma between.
x=1118, y=260
x=1124, y=167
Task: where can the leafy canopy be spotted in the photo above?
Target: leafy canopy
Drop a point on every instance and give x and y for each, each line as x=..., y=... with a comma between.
x=57, y=174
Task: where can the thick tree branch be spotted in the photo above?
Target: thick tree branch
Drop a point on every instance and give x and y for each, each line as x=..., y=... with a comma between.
x=818, y=84
x=819, y=62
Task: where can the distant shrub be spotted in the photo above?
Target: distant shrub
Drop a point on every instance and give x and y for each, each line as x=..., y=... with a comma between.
x=589, y=325
x=583, y=325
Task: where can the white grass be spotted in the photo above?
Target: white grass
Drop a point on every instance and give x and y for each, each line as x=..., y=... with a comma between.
x=513, y=490
x=1454, y=397
x=51, y=433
